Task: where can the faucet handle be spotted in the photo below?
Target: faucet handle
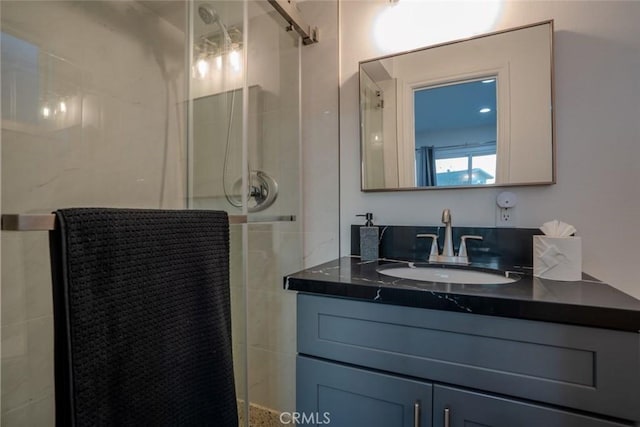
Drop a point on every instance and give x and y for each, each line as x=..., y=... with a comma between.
x=433, y=254
x=463, y=244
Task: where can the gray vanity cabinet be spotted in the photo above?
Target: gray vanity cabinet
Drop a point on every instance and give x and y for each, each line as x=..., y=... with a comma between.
x=344, y=396
x=358, y=357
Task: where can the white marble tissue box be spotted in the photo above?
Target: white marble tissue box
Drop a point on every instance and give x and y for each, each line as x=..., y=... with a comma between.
x=557, y=258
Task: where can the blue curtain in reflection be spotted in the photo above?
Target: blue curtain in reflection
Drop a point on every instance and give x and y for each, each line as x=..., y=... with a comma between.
x=425, y=167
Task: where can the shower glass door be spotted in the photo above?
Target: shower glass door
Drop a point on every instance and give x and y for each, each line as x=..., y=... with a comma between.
x=274, y=249
x=244, y=158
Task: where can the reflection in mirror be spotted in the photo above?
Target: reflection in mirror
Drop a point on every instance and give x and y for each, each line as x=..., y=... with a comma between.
x=469, y=113
x=455, y=131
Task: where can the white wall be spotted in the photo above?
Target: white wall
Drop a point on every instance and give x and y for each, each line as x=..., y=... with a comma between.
x=597, y=107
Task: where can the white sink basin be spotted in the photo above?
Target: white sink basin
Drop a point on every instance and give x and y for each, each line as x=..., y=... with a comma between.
x=449, y=275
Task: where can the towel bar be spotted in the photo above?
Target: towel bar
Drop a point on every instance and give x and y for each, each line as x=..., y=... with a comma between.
x=44, y=222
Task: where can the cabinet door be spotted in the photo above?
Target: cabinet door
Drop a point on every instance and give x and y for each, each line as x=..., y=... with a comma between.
x=343, y=396
x=460, y=408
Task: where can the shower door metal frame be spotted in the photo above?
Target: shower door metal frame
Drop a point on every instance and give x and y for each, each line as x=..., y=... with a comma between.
x=292, y=15
x=46, y=222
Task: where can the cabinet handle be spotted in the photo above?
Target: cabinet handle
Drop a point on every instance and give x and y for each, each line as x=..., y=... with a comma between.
x=447, y=412
x=416, y=414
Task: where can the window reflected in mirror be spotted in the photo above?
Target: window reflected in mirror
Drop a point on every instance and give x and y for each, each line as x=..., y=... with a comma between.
x=455, y=133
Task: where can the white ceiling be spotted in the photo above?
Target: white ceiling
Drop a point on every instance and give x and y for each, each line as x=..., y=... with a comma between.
x=172, y=11
x=455, y=106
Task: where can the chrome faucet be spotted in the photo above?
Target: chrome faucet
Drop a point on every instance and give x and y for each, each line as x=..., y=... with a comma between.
x=447, y=248
x=447, y=255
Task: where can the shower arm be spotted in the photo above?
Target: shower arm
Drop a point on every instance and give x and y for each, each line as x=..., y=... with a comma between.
x=46, y=222
x=292, y=15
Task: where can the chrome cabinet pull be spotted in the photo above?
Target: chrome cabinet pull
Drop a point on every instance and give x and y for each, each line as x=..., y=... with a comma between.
x=447, y=413
x=416, y=414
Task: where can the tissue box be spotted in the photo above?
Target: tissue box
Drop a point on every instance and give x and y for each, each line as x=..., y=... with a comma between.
x=557, y=258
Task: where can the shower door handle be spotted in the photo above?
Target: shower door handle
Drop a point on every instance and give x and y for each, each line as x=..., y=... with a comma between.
x=262, y=219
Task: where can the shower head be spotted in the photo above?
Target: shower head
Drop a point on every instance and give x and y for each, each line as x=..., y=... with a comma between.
x=209, y=15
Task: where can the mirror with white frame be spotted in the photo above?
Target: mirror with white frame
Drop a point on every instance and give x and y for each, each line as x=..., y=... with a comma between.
x=469, y=113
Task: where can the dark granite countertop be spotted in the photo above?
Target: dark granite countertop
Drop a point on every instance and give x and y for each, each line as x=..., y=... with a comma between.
x=587, y=303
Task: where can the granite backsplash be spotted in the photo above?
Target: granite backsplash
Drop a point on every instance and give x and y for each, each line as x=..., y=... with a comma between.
x=503, y=246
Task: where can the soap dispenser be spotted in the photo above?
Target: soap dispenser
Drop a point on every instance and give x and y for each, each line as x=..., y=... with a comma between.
x=369, y=239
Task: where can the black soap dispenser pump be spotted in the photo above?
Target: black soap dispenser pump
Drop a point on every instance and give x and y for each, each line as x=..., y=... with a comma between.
x=369, y=239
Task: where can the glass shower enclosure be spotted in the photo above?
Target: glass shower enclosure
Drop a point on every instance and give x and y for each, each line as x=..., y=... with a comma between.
x=151, y=104
x=244, y=157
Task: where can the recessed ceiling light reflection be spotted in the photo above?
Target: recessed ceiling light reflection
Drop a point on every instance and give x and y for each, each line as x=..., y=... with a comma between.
x=489, y=81
x=485, y=110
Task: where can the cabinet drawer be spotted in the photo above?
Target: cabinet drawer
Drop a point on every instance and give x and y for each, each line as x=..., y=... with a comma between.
x=466, y=409
x=338, y=395
x=590, y=369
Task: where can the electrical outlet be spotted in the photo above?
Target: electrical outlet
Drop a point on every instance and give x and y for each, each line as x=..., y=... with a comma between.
x=506, y=217
x=506, y=209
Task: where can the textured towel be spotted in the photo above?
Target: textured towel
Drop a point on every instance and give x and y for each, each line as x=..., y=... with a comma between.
x=142, y=318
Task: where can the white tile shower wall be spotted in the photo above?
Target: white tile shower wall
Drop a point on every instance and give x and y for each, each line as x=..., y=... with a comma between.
x=271, y=315
x=320, y=135
x=217, y=146
x=597, y=101
x=121, y=70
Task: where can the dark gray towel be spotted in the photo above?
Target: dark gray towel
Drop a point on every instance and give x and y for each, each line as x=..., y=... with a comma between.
x=142, y=318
